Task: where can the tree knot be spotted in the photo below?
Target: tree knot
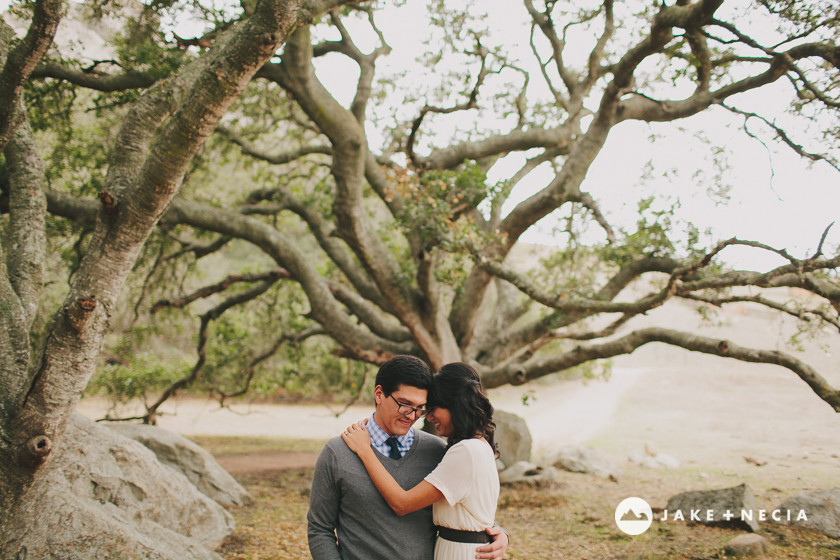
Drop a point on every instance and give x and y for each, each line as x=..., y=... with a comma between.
x=79, y=315
x=37, y=449
x=109, y=202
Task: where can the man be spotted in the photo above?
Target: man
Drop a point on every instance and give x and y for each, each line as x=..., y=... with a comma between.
x=348, y=519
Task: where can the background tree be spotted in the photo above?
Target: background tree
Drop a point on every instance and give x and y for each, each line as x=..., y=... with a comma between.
x=356, y=217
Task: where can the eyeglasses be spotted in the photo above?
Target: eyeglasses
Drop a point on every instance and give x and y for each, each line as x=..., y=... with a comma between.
x=408, y=410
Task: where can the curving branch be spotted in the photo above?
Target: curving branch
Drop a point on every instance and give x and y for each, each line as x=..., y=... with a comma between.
x=684, y=280
x=19, y=62
x=248, y=373
x=470, y=103
x=366, y=62
x=813, y=89
x=198, y=250
x=595, y=68
x=545, y=24
x=801, y=314
x=548, y=155
x=559, y=98
x=206, y=319
x=537, y=367
x=270, y=277
x=782, y=135
x=372, y=317
x=349, y=167
x=586, y=200
x=97, y=81
x=324, y=232
x=513, y=141
x=280, y=158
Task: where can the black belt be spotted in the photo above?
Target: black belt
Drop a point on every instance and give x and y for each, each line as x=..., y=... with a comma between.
x=456, y=535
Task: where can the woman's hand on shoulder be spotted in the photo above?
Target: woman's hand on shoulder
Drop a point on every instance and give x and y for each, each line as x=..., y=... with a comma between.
x=357, y=437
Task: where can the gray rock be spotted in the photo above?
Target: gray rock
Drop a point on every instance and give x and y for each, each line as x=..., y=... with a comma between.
x=747, y=545
x=727, y=507
x=529, y=474
x=821, y=507
x=582, y=459
x=519, y=470
x=77, y=528
x=183, y=455
x=512, y=437
x=644, y=458
x=106, y=496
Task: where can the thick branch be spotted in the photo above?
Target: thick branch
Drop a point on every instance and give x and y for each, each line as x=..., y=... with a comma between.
x=20, y=61
x=97, y=81
x=349, y=165
x=333, y=246
x=538, y=367
x=27, y=240
x=516, y=140
x=372, y=317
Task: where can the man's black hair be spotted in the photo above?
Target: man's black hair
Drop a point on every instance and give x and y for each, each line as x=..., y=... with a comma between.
x=404, y=370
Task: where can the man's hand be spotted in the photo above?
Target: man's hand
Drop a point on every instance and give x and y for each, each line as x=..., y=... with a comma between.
x=496, y=549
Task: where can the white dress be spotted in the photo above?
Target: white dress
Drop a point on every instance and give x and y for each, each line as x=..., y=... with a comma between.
x=469, y=481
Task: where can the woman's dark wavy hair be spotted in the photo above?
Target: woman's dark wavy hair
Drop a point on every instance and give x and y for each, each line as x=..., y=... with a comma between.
x=457, y=388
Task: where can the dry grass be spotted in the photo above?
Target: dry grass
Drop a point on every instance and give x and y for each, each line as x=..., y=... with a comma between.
x=573, y=519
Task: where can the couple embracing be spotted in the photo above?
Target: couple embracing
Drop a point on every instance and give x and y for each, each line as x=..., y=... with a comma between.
x=385, y=490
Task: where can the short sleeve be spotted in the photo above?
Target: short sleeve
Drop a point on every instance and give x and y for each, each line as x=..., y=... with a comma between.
x=454, y=474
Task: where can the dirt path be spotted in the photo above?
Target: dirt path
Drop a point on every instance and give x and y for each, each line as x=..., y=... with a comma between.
x=250, y=463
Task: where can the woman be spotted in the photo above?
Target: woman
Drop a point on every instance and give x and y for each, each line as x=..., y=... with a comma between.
x=464, y=487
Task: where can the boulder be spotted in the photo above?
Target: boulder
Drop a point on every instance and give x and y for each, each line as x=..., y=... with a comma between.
x=106, y=496
x=587, y=460
x=513, y=438
x=188, y=458
x=746, y=545
x=727, y=507
x=529, y=474
x=820, y=507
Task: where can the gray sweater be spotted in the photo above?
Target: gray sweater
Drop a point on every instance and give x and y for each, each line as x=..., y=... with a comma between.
x=349, y=520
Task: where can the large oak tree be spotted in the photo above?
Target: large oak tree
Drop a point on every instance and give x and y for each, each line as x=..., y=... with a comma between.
x=41, y=383
x=368, y=207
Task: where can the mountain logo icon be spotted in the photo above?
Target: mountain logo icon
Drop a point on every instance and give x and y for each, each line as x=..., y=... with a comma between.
x=633, y=516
